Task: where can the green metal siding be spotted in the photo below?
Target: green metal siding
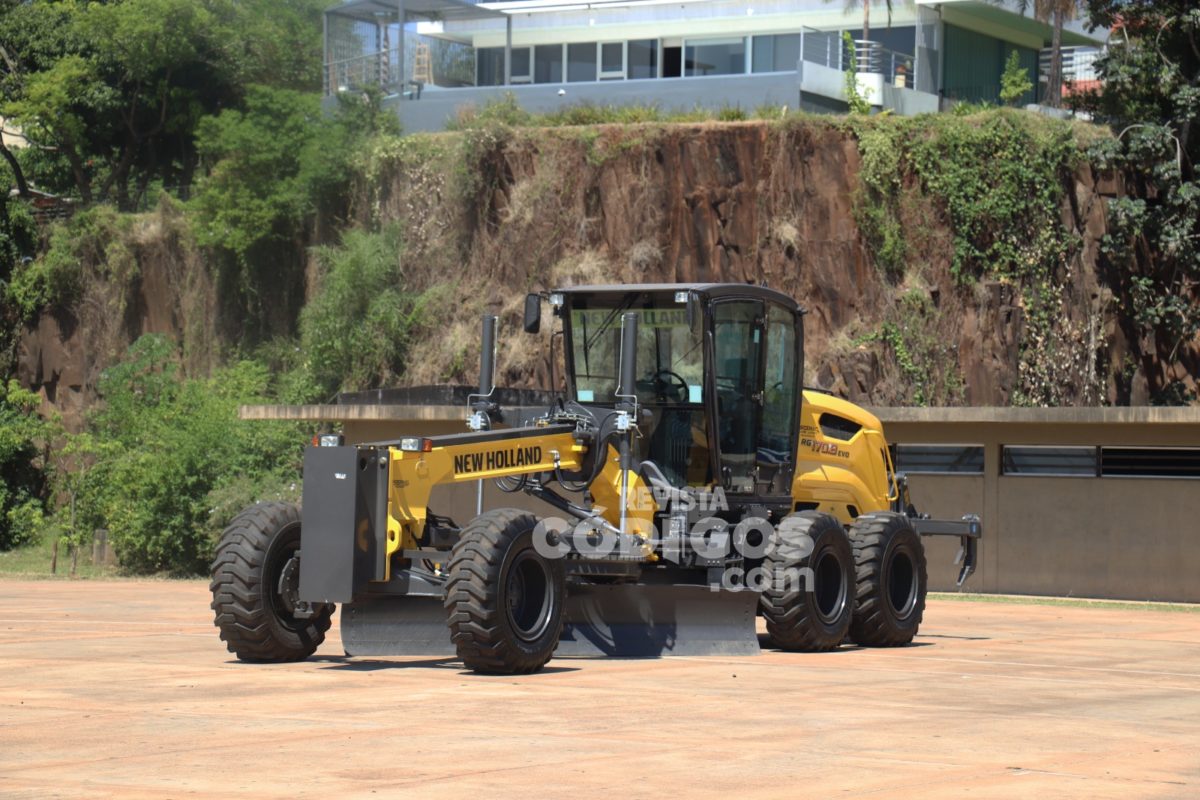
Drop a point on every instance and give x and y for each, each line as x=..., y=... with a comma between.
x=974, y=63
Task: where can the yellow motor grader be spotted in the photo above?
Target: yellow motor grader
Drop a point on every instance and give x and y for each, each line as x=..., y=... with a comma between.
x=697, y=484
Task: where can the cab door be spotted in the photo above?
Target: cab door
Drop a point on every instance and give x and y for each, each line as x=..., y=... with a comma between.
x=778, y=434
x=737, y=355
x=755, y=358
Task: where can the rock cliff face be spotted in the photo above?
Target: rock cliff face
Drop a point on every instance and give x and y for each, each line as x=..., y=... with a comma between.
x=490, y=215
x=776, y=203
x=167, y=291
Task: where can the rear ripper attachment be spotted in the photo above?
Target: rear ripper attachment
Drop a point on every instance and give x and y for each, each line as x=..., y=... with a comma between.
x=684, y=484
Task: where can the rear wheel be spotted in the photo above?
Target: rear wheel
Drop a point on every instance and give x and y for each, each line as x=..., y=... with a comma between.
x=808, y=599
x=892, y=580
x=504, y=599
x=255, y=586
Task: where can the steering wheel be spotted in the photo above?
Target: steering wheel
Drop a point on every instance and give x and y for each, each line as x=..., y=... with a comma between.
x=681, y=390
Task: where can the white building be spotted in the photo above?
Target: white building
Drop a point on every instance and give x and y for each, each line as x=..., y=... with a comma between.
x=677, y=55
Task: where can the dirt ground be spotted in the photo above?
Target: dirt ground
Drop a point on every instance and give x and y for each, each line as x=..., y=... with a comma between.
x=122, y=689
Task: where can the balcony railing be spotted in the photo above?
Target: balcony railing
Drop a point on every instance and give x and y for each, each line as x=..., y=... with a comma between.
x=372, y=69
x=828, y=49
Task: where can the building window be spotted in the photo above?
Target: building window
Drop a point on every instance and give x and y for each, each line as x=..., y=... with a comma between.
x=547, y=64
x=779, y=53
x=714, y=57
x=1038, y=460
x=1150, y=462
x=522, y=61
x=642, y=58
x=612, y=61
x=489, y=66
x=581, y=62
x=938, y=459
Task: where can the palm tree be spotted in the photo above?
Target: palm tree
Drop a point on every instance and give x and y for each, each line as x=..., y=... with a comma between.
x=1057, y=13
x=866, y=9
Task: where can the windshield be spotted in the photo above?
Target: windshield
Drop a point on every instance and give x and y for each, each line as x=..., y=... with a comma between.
x=670, y=360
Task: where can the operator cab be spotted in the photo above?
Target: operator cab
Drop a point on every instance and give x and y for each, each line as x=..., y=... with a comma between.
x=718, y=383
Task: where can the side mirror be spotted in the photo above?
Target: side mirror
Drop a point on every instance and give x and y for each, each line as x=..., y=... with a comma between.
x=533, y=312
x=691, y=310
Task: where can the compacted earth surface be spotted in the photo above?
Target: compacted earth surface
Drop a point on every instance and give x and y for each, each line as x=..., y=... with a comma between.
x=122, y=689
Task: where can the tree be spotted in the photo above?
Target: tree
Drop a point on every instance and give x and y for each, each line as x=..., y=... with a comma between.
x=1057, y=13
x=1150, y=94
x=1015, y=81
x=24, y=488
x=168, y=463
x=866, y=9
x=111, y=92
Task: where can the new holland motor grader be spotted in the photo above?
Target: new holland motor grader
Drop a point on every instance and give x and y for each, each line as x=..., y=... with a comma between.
x=697, y=485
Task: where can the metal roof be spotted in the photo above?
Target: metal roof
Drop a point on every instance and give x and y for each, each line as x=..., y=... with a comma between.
x=709, y=289
x=372, y=10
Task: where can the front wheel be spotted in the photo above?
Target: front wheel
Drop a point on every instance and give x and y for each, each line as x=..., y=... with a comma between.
x=255, y=582
x=504, y=599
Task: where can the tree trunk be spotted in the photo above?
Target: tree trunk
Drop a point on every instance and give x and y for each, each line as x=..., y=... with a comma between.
x=866, y=22
x=82, y=182
x=18, y=174
x=1054, y=79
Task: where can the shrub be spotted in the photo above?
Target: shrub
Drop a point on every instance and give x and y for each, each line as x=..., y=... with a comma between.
x=357, y=328
x=165, y=460
x=24, y=438
x=90, y=240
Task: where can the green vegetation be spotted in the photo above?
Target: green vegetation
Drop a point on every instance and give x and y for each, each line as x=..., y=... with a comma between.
x=35, y=560
x=111, y=94
x=165, y=464
x=1151, y=96
x=24, y=471
x=996, y=176
x=999, y=179
x=1014, y=81
x=854, y=98
x=924, y=358
x=356, y=330
x=507, y=112
x=90, y=238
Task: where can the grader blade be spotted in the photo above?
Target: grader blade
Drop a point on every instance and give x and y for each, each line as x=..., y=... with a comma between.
x=622, y=620
x=647, y=621
x=412, y=625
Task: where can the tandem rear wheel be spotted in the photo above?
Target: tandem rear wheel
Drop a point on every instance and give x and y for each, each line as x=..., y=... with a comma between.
x=809, y=597
x=891, y=580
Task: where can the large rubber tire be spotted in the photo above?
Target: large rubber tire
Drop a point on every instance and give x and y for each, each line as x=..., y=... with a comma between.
x=892, y=580
x=809, y=596
x=254, y=618
x=504, y=600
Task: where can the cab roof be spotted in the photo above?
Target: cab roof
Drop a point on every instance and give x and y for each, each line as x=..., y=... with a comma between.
x=707, y=290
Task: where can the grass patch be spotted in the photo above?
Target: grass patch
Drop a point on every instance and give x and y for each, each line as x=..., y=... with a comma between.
x=1073, y=602
x=33, y=561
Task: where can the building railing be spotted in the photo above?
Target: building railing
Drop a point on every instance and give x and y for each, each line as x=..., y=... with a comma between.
x=372, y=69
x=828, y=49
x=872, y=57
